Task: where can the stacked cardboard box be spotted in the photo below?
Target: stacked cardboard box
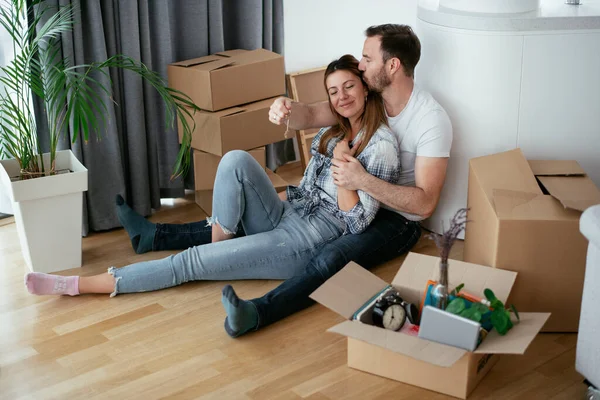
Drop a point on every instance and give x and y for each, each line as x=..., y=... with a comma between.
x=234, y=89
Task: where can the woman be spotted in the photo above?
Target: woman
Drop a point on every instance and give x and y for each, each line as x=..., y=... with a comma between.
x=282, y=234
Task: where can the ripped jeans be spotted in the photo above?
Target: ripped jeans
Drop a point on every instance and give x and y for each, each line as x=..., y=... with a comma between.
x=279, y=241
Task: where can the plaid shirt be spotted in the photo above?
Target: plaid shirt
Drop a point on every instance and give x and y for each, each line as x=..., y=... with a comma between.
x=380, y=158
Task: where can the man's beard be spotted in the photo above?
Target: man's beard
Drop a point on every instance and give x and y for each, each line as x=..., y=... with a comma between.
x=380, y=81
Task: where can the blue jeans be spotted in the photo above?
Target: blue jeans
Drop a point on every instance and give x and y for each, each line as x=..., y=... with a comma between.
x=279, y=241
x=389, y=236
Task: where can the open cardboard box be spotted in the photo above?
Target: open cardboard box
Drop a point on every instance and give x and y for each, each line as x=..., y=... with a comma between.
x=524, y=217
x=229, y=78
x=237, y=128
x=410, y=359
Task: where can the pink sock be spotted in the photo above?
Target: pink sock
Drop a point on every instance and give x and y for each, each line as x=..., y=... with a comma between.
x=42, y=284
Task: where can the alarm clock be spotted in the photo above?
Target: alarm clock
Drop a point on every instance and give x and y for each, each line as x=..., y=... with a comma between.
x=391, y=311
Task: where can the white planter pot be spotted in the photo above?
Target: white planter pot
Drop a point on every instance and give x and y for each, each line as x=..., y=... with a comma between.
x=49, y=212
x=5, y=200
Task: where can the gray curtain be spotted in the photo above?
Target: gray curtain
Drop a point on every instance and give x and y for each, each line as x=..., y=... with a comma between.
x=136, y=152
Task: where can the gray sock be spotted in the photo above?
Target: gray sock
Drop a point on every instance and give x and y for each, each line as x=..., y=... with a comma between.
x=140, y=230
x=241, y=314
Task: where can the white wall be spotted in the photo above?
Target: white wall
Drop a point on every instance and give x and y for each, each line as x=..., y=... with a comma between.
x=318, y=31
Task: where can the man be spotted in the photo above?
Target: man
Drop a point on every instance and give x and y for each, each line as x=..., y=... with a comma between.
x=390, y=55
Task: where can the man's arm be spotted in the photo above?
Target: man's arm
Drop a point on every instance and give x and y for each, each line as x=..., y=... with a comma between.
x=302, y=115
x=430, y=174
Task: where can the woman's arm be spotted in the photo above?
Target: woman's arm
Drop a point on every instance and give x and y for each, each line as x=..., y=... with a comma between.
x=346, y=199
x=296, y=192
x=380, y=159
x=314, y=149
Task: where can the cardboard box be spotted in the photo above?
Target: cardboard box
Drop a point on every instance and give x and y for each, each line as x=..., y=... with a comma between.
x=206, y=164
x=410, y=359
x=204, y=197
x=524, y=217
x=229, y=78
x=238, y=128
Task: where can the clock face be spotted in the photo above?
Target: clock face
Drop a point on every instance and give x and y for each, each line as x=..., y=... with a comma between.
x=394, y=317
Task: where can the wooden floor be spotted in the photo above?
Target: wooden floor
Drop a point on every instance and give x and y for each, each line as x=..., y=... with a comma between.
x=171, y=343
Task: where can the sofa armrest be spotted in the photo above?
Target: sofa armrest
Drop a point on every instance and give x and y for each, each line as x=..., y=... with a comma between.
x=589, y=225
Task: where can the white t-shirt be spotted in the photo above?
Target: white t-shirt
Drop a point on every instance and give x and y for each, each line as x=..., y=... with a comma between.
x=423, y=129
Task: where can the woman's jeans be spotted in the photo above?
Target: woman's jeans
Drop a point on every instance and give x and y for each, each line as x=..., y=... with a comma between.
x=278, y=241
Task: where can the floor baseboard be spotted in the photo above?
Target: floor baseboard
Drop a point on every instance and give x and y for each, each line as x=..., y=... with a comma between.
x=6, y=219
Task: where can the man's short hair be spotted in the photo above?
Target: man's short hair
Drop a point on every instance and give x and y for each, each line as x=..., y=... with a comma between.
x=398, y=41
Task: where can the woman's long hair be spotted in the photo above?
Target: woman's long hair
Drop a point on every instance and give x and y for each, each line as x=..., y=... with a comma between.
x=371, y=119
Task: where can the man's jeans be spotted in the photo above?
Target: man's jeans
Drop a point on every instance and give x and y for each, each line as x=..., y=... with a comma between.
x=389, y=235
x=280, y=241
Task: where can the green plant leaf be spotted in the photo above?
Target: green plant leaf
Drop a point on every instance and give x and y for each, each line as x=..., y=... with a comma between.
x=514, y=309
x=482, y=308
x=489, y=294
x=456, y=306
x=501, y=321
x=472, y=314
x=457, y=289
x=76, y=94
x=496, y=304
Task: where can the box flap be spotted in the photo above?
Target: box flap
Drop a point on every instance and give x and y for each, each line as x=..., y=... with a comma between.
x=508, y=170
x=512, y=205
x=556, y=167
x=517, y=339
x=575, y=192
x=258, y=105
x=220, y=114
x=508, y=202
x=417, y=269
x=412, y=346
x=348, y=290
x=227, y=112
x=257, y=55
x=222, y=62
x=198, y=61
x=231, y=53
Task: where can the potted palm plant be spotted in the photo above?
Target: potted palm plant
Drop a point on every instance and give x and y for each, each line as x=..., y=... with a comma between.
x=46, y=188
